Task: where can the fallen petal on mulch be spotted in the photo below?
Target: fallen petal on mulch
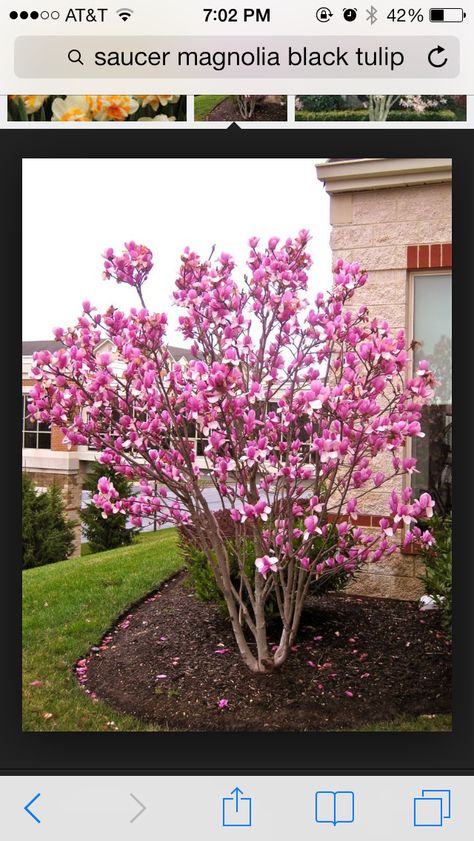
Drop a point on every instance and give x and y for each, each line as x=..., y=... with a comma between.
x=310, y=692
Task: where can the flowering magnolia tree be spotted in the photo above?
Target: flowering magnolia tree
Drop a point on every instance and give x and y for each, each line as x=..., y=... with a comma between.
x=294, y=402
x=379, y=106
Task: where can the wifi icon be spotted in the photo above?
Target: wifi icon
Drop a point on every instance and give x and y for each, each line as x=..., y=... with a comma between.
x=125, y=14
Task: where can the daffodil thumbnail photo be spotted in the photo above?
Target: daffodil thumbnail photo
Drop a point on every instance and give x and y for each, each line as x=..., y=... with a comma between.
x=87, y=108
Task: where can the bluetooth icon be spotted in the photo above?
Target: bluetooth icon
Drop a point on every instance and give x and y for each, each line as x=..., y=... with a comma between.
x=372, y=15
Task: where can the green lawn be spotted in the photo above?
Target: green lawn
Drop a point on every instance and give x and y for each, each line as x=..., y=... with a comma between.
x=423, y=724
x=203, y=105
x=67, y=607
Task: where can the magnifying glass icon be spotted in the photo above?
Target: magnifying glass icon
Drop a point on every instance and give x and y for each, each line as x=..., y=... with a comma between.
x=75, y=57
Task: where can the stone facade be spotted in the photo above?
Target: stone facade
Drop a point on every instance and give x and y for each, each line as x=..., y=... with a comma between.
x=392, y=216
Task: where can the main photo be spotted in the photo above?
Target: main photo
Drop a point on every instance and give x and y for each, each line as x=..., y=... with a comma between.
x=236, y=438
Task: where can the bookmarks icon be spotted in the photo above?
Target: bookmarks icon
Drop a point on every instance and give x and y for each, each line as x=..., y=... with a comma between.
x=334, y=807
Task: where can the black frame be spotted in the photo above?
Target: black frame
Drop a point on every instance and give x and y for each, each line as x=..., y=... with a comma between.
x=260, y=753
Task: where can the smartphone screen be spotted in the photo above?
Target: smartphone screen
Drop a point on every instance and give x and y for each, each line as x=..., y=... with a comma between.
x=229, y=597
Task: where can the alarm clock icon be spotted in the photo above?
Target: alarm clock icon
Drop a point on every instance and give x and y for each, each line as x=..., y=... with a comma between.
x=350, y=14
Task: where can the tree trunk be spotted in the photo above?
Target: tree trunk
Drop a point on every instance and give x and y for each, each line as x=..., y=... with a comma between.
x=264, y=659
x=380, y=107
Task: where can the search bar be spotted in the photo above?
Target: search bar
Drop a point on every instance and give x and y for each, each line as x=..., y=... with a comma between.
x=165, y=57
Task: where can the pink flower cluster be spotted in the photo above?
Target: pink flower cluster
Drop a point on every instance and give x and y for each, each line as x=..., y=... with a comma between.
x=132, y=266
x=296, y=401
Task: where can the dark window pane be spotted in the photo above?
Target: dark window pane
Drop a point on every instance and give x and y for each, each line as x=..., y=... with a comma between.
x=30, y=440
x=434, y=457
x=302, y=433
x=201, y=444
x=44, y=441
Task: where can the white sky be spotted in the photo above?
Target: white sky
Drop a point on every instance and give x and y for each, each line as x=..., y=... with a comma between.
x=73, y=209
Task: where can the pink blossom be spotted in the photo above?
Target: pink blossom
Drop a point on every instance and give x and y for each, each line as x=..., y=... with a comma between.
x=427, y=539
x=266, y=564
x=311, y=525
x=104, y=485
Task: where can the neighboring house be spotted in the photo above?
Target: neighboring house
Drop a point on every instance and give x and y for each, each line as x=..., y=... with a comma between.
x=393, y=215
x=45, y=457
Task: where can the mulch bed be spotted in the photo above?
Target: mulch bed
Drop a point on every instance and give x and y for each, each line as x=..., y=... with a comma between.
x=358, y=660
x=227, y=111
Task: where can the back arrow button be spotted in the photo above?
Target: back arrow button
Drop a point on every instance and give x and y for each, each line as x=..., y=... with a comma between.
x=28, y=810
x=142, y=808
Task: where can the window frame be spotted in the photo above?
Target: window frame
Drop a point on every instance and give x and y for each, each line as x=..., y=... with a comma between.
x=35, y=430
x=412, y=274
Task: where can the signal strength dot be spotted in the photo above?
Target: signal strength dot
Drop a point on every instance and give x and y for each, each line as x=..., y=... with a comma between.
x=125, y=14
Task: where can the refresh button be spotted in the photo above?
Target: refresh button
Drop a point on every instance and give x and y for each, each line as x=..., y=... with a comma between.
x=434, y=57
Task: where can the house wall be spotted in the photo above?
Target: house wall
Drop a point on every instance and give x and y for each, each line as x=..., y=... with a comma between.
x=390, y=230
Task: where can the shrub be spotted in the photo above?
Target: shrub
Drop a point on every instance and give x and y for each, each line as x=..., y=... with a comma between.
x=331, y=116
x=322, y=103
x=337, y=577
x=444, y=115
x=47, y=533
x=359, y=115
x=438, y=574
x=202, y=578
x=101, y=533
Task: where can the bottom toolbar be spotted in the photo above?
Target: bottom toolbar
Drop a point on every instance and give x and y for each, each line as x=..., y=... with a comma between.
x=272, y=807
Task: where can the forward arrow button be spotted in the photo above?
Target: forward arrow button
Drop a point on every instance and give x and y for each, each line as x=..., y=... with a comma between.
x=142, y=808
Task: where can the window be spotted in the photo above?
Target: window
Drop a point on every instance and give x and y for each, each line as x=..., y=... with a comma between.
x=35, y=435
x=200, y=441
x=432, y=306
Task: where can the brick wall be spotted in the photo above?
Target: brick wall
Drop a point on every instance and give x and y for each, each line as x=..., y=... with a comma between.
x=391, y=232
x=433, y=256
x=57, y=441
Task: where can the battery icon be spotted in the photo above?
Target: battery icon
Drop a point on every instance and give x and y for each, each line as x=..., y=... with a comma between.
x=447, y=15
